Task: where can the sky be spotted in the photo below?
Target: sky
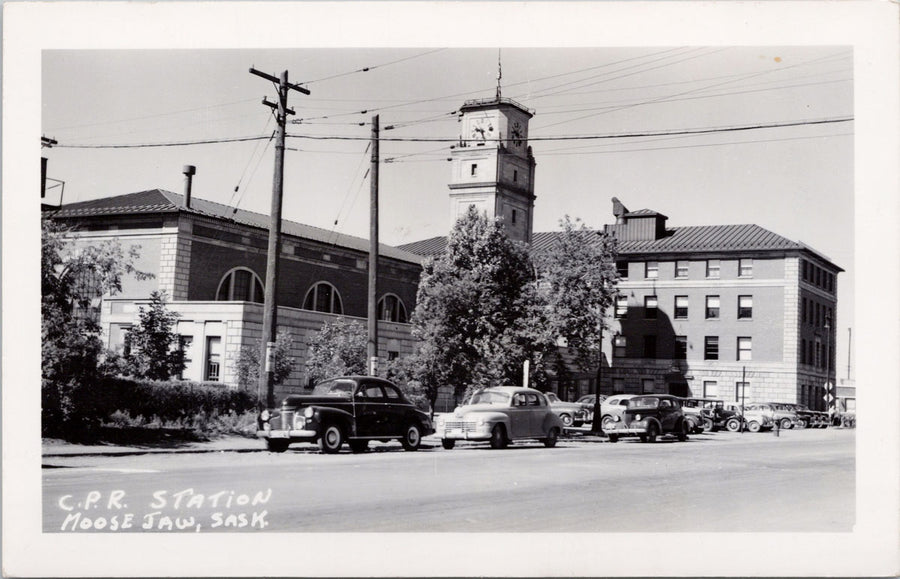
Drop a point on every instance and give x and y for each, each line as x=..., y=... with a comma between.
x=794, y=180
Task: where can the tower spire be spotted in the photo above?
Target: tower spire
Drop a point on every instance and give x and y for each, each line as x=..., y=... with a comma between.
x=499, y=74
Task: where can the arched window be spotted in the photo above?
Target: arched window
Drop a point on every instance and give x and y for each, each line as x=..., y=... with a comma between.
x=391, y=309
x=241, y=285
x=323, y=297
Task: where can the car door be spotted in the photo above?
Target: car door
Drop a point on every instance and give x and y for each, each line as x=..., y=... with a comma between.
x=396, y=412
x=668, y=414
x=368, y=403
x=519, y=416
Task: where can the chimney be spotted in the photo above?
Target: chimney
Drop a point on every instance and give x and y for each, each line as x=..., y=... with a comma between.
x=619, y=211
x=189, y=172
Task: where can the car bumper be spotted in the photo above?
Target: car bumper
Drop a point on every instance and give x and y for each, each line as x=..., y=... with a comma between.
x=478, y=433
x=287, y=434
x=620, y=429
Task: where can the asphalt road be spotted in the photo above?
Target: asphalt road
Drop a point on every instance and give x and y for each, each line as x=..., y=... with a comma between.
x=798, y=481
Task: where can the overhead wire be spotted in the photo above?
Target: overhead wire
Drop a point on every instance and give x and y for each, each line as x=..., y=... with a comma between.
x=349, y=188
x=373, y=67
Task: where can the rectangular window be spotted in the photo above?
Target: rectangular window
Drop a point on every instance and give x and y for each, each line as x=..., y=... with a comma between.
x=213, y=358
x=651, y=307
x=745, y=267
x=803, y=268
x=184, y=344
x=621, y=306
x=803, y=309
x=647, y=385
x=619, y=345
x=712, y=307
x=473, y=170
x=513, y=216
x=622, y=269
x=681, y=268
x=818, y=315
x=681, y=307
x=681, y=348
x=649, y=346
x=651, y=270
x=712, y=268
x=742, y=392
x=803, y=351
x=618, y=385
x=745, y=307
x=819, y=277
x=711, y=348
x=818, y=358
x=744, y=348
x=515, y=176
x=710, y=389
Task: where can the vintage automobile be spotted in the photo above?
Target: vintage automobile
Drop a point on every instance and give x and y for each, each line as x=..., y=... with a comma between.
x=724, y=415
x=356, y=409
x=755, y=418
x=697, y=414
x=570, y=413
x=650, y=416
x=500, y=415
x=808, y=418
x=587, y=401
x=613, y=409
x=783, y=416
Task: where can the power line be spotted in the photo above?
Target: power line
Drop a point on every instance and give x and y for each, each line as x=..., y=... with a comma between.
x=171, y=144
x=368, y=68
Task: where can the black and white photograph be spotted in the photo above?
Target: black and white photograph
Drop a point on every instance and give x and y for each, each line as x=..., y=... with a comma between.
x=450, y=288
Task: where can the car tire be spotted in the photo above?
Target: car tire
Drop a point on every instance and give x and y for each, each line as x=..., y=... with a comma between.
x=606, y=422
x=358, y=446
x=753, y=426
x=786, y=424
x=652, y=433
x=448, y=443
x=566, y=419
x=552, y=437
x=498, y=436
x=803, y=424
x=708, y=424
x=412, y=439
x=614, y=438
x=332, y=439
x=733, y=425
x=277, y=445
x=682, y=432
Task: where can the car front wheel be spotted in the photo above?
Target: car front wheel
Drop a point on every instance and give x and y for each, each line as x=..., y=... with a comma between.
x=786, y=424
x=652, y=433
x=332, y=439
x=733, y=425
x=682, y=432
x=448, y=443
x=566, y=419
x=498, y=437
x=551, y=439
x=412, y=439
x=753, y=426
x=606, y=422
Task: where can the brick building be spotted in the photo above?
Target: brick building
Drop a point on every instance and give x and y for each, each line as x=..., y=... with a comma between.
x=210, y=259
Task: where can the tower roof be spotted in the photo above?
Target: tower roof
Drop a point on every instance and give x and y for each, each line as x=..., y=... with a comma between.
x=493, y=103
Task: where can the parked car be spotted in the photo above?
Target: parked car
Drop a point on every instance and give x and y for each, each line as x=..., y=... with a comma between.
x=500, y=415
x=356, y=409
x=783, y=416
x=650, y=416
x=808, y=418
x=613, y=409
x=750, y=418
x=587, y=401
x=570, y=413
x=697, y=414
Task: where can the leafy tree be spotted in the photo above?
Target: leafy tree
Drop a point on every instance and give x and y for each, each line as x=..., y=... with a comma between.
x=474, y=310
x=247, y=363
x=72, y=276
x=577, y=287
x=338, y=349
x=154, y=348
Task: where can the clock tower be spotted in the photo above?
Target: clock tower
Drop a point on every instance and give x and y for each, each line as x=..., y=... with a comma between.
x=493, y=168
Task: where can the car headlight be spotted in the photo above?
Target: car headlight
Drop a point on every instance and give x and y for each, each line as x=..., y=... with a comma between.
x=637, y=417
x=309, y=411
x=617, y=418
x=479, y=422
x=440, y=421
x=264, y=415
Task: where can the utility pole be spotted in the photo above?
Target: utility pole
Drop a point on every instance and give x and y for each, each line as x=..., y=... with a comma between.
x=849, y=342
x=270, y=305
x=372, y=344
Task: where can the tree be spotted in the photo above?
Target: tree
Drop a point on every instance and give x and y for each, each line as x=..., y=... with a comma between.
x=474, y=309
x=577, y=287
x=247, y=363
x=338, y=349
x=72, y=277
x=154, y=349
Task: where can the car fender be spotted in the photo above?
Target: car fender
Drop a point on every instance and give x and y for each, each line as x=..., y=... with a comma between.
x=551, y=419
x=322, y=414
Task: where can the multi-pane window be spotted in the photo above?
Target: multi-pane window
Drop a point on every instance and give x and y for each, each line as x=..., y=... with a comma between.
x=681, y=268
x=649, y=346
x=391, y=309
x=622, y=268
x=712, y=268
x=323, y=297
x=647, y=386
x=803, y=309
x=745, y=267
x=213, y=358
x=711, y=348
x=618, y=385
x=619, y=345
x=742, y=391
x=803, y=267
x=710, y=389
x=745, y=307
x=184, y=345
x=680, y=348
x=651, y=269
x=651, y=307
x=803, y=351
x=621, y=306
x=712, y=307
x=818, y=315
x=681, y=307
x=744, y=348
x=240, y=284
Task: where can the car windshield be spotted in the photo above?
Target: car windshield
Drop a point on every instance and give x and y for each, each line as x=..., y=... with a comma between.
x=552, y=397
x=341, y=388
x=490, y=397
x=650, y=402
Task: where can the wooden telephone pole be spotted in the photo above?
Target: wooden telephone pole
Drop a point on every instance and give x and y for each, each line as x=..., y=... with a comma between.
x=270, y=305
x=372, y=343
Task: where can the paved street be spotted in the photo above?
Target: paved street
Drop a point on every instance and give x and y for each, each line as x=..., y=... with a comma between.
x=799, y=481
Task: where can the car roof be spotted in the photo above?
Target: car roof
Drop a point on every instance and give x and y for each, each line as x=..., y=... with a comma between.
x=510, y=389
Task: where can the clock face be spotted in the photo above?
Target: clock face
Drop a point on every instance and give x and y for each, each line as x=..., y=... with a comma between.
x=518, y=134
x=481, y=129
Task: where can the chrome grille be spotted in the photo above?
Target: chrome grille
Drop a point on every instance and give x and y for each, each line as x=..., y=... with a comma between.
x=459, y=425
x=287, y=419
